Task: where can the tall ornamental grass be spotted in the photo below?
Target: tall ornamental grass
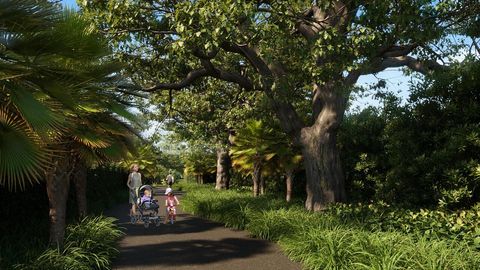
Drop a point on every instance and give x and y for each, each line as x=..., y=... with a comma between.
x=90, y=244
x=334, y=239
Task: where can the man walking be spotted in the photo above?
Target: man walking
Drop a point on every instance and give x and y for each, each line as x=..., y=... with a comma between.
x=170, y=179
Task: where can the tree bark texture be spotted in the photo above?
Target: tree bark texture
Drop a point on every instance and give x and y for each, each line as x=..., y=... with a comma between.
x=325, y=180
x=79, y=177
x=57, y=180
x=289, y=184
x=256, y=176
x=224, y=164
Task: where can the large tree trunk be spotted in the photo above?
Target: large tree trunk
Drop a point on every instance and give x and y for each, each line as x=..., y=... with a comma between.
x=79, y=178
x=256, y=176
x=325, y=181
x=289, y=183
x=57, y=180
x=224, y=164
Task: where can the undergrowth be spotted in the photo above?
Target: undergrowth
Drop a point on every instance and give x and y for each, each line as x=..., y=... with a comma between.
x=90, y=244
x=346, y=236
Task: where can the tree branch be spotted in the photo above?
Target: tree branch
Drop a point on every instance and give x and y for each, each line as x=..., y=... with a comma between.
x=122, y=89
x=133, y=30
x=187, y=81
x=316, y=19
x=475, y=44
x=424, y=67
x=380, y=64
x=236, y=78
x=208, y=70
x=251, y=55
x=401, y=50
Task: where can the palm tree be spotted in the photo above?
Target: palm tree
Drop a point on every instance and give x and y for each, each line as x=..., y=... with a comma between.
x=148, y=159
x=26, y=114
x=288, y=160
x=52, y=71
x=109, y=140
x=254, y=147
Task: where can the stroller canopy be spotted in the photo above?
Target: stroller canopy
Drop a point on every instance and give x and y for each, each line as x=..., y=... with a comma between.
x=146, y=187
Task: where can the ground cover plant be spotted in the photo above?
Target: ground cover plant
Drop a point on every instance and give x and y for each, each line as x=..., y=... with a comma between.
x=24, y=234
x=90, y=244
x=340, y=238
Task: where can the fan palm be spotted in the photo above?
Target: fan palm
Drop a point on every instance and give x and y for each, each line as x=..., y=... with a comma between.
x=254, y=148
x=107, y=139
x=52, y=76
x=44, y=56
x=288, y=160
x=146, y=157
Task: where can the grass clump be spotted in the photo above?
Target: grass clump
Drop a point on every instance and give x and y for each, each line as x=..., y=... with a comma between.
x=90, y=244
x=341, y=248
x=345, y=237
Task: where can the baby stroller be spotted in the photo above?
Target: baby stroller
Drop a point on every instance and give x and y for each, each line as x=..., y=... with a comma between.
x=147, y=207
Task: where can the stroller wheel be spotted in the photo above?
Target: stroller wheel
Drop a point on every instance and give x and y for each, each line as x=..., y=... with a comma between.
x=146, y=224
x=133, y=219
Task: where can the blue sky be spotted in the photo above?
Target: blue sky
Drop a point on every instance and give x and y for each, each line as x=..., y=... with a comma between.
x=70, y=3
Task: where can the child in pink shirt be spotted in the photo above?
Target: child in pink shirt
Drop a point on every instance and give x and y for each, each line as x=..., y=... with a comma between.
x=170, y=204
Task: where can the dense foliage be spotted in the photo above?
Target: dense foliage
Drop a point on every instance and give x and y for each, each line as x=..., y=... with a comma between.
x=304, y=57
x=422, y=153
x=341, y=238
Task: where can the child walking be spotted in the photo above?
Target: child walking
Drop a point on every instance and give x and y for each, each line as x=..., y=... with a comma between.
x=170, y=204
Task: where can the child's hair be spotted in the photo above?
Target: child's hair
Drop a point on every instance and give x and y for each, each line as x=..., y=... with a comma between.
x=133, y=165
x=147, y=192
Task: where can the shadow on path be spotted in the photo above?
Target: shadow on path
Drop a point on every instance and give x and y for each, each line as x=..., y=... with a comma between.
x=192, y=252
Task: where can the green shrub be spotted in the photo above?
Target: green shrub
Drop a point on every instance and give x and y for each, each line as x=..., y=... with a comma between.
x=90, y=244
x=345, y=236
x=462, y=225
x=341, y=248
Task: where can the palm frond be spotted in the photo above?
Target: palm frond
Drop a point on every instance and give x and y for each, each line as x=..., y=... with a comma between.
x=40, y=117
x=90, y=138
x=22, y=157
x=27, y=15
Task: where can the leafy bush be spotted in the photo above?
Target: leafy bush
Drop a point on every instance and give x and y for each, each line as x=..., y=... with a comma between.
x=25, y=221
x=346, y=236
x=340, y=248
x=89, y=244
x=462, y=225
x=423, y=152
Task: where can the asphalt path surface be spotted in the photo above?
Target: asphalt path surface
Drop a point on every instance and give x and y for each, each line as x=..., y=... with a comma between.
x=192, y=243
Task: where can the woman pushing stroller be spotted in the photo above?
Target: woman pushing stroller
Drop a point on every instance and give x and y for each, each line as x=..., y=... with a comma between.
x=134, y=183
x=170, y=204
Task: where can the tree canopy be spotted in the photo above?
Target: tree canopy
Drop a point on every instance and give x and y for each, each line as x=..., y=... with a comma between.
x=304, y=56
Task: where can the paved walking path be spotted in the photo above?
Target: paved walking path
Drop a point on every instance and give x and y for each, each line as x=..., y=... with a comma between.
x=193, y=243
